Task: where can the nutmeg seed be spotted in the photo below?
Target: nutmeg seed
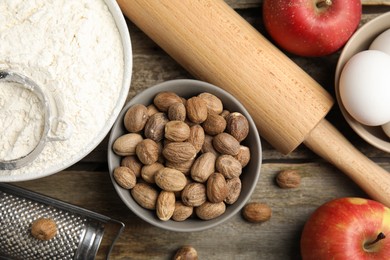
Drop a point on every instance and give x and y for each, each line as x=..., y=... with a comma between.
x=288, y=179
x=44, y=229
x=135, y=118
x=126, y=144
x=213, y=103
x=147, y=151
x=257, y=212
x=155, y=126
x=152, y=109
x=194, y=194
x=197, y=137
x=208, y=145
x=182, y=211
x=165, y=99
x=133, y=163
x=226, y=144
x=209, y=210
x=243, y=156
x=165, y=205
x=145, y=195
x=184, y=167
x=179, y=152
x=229, y=166
x=214, y=124
x=148, y=172
x=234, y=190
x=203, y=167
x=186, y=253
x=237, y=126
x=196, y=110
x=177, y=112
x=125, y=177
x=170, y=179
x=217, y=189
x=177, y=131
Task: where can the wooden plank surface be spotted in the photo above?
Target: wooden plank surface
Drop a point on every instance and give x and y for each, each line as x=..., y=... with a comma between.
x=87, y=183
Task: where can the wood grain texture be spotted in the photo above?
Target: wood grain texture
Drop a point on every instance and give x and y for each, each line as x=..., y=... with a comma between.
x=236, y=239
x=87, y=183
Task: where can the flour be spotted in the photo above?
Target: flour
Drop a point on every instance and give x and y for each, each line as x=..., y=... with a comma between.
x=22, y=121
x=73, y=51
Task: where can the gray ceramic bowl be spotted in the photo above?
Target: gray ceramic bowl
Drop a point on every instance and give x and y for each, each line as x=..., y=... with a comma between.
x=360, y=41
x=249, y=176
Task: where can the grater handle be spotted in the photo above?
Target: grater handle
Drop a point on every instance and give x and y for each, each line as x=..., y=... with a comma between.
x=93, y=236
x=119, y=231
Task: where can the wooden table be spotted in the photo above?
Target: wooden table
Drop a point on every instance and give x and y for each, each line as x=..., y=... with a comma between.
x=87, y=183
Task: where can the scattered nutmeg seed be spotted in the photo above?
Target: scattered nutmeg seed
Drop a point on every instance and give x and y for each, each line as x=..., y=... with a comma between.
x=288, y=179
x=256, y=212
x=44, y=229
x=186, y=253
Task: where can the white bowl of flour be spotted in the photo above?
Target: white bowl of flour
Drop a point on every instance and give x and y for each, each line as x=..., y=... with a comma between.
x=79, y=53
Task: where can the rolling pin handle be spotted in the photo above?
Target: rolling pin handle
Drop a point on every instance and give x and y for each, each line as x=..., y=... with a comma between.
x=327, y=142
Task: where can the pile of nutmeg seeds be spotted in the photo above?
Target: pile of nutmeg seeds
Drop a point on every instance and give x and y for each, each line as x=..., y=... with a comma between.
x=182, y=156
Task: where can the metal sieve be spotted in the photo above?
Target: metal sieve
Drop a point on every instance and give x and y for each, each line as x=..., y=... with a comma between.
x=79, y=233
x=48, y=134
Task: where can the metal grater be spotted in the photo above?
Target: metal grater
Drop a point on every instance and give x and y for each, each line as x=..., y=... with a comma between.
x=79, y=231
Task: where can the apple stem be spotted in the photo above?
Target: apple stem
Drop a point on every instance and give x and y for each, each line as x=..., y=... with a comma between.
x=378, y=238
x=324, y=3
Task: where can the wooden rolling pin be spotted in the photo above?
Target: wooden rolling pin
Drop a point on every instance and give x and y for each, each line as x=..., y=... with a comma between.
x=215, y=44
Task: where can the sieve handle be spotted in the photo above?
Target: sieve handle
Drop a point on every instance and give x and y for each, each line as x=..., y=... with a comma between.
x=60, y=129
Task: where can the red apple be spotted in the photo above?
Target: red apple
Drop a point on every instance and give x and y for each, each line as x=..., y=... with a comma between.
x=311, y=27
x=347, y=228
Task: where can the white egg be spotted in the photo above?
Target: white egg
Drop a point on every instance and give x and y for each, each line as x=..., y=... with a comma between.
x=365, y=87
x=382, y=42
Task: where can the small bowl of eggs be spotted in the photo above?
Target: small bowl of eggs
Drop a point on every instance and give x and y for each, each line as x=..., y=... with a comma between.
x=362, y=82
